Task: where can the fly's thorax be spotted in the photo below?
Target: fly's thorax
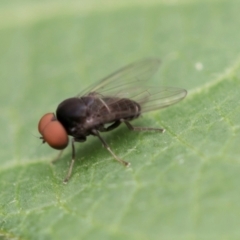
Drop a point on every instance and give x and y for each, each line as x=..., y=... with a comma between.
x=72, y=112
x=79, y=115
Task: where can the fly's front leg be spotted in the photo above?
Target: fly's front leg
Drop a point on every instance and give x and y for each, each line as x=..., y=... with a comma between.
x=141, y=129
x=96, y=133
x=57, y=157
x=72, y=163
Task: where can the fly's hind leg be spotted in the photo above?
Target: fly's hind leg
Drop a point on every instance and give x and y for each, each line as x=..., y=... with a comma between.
x=141, y=129
x=96, y=133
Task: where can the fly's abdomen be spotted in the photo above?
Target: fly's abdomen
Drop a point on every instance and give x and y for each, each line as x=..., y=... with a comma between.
x=121, y=109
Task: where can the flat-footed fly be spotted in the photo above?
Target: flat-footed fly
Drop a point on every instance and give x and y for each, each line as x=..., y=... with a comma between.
x=119, y=98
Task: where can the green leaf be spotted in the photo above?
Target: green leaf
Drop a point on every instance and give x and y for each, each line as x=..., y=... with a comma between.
x=183, y=184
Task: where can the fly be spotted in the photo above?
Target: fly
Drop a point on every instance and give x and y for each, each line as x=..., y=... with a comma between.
x=119, y=98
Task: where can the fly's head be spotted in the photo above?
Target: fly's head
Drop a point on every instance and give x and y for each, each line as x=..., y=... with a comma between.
x=52, y=132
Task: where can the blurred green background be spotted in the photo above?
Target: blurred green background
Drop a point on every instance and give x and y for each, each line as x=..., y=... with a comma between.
x=183, y=184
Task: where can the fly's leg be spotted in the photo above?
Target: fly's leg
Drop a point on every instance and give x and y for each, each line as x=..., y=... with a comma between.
x=141, y=129
x=71, y=165
x=96, y=133
x=57, y=157
x=111, y=127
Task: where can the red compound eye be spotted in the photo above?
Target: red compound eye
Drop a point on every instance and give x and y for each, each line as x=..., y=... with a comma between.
x=53, y=132
x=46, y=119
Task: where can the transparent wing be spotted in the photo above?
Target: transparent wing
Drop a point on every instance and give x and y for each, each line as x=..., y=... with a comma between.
x=134, y=74
x=148, y=97
x=131, y=82
x=152, y=98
